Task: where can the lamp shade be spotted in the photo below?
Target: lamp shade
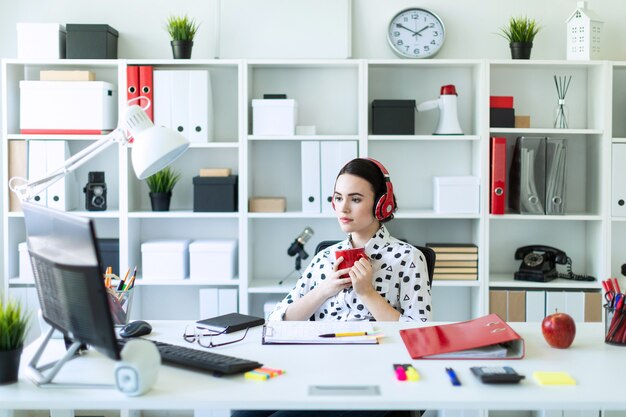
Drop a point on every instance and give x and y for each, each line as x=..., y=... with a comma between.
x=154, y=147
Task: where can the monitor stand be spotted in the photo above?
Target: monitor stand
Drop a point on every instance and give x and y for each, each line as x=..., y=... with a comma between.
x=36, y=373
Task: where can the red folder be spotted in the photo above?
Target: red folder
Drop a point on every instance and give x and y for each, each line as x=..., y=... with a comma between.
x=487, y=337
x=132, y=82
x=498, y=175
x=145, y=90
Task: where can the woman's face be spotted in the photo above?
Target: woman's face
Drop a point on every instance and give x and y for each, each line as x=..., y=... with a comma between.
x=354, y=204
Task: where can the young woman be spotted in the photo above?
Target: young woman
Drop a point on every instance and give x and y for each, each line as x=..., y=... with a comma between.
x=391, y=284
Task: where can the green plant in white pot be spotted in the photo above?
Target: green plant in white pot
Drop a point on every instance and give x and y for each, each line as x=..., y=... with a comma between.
x=182, y=31
x=13, y=327
x=161, y=185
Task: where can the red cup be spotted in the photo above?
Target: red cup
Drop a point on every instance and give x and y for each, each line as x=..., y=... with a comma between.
x=350, y=256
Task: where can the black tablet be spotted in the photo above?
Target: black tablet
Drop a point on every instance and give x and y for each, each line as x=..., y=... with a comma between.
x=231, y=322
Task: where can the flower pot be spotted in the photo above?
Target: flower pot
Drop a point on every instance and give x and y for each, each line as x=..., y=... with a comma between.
x=160, y=201
x=521, y=50
x=9, y=365
x=181, y=49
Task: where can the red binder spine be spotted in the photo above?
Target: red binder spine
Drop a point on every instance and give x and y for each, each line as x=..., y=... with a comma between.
x=145, y=90
x=498, y=175
x=132, y=82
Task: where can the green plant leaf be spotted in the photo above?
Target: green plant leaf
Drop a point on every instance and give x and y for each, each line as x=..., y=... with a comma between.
x=181, y=28
x=163, y=181
x=13, y=325
x=520, y=29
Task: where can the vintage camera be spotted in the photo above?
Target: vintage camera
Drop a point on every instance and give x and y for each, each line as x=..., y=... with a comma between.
x=95, y=192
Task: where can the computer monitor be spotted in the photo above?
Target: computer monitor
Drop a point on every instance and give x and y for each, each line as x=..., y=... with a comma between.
x=66, y=265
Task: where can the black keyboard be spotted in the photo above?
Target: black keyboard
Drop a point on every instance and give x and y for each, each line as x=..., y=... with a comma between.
x=201, y=360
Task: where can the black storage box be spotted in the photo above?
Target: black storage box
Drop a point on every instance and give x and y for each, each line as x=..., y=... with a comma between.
x=215, y=193
x=110, y=254
x=393, y=117
x=501, y=117
x=91, y=41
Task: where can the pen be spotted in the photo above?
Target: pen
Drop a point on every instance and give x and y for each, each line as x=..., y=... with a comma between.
x=120, y=286
x=453, y=378
x=347, y=334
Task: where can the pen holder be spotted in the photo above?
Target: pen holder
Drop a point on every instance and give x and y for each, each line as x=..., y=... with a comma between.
x=615, y=325
x=120, y=303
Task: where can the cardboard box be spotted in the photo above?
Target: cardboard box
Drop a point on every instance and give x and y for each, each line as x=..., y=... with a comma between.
x=500, y=117
x=165, y=259
x=26, y=269
x=215, y=194
x=274, y=117
x=91, y=42
x=393, y=117
x=67, y=75
x=522, y=122
x=40, y=41
x=215, y=172
x=75, y=107
x=267, y=205
x=213, y=259
x=456, y=194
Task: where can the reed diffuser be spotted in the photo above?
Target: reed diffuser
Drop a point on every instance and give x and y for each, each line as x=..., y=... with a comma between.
x=561, y=111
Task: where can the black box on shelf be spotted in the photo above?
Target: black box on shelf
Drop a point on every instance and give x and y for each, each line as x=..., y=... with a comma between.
x=91, y=41
x=215, y=193
x=110, y=254
x=499, y=117
x=393, y=117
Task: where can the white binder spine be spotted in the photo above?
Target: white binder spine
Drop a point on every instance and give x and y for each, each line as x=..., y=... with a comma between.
x=333, y=156
x=199, y=107
x=311, y=191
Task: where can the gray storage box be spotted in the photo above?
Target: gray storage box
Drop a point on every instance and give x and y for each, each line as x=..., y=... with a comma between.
x=215, y=194
x=91, y=41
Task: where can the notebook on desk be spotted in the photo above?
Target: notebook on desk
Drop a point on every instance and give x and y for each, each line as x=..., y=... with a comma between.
x=308, y=332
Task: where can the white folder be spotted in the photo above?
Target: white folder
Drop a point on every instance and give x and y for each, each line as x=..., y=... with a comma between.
x=162, y=97
x=208, y=303
x=575, y=305
x=200, y=107
x=180, y=103
x=63, y=194
x=227, y=301
x=618, y=194
x=37, y=167
x=555, y=300
x=535, y=305
x=311, y=191
x=333, y=156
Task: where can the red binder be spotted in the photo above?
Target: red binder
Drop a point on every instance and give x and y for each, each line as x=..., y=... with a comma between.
x=145, y=90
x=132, y=82
x=498, y=175
x=487, y=337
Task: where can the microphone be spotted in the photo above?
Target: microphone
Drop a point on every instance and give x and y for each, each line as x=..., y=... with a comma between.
x=297, y=247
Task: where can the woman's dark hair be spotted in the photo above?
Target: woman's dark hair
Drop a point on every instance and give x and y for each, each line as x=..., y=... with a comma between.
x=370, y=172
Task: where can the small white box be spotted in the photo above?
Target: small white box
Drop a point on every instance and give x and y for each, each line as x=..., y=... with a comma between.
x=274, y=116
x=86, y=107
x=213, y=259
x=456, y=194
x=26, y=269
x=40, y=41
x=165, y=259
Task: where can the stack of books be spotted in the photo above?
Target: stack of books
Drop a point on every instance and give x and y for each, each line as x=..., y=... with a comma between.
x=455, y=261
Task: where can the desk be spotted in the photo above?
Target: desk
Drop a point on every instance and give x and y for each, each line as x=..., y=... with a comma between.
x=598, y=368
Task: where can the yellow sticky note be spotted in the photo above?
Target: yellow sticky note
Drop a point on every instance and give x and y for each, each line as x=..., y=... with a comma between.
x=553, y=378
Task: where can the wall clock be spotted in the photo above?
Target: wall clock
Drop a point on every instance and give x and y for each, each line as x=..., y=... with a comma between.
x=416, y=33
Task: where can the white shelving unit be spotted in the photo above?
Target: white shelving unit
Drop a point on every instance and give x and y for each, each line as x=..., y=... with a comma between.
x=336, y=96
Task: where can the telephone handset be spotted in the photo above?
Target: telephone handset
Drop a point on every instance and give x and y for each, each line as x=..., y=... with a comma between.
x=539, y=264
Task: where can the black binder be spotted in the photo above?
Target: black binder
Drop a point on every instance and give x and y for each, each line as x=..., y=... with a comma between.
x=231, y=322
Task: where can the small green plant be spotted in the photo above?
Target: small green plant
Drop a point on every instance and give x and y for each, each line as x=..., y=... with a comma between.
x=181, y=28
x=520, y=29
x=13, y=325
x=163, y=181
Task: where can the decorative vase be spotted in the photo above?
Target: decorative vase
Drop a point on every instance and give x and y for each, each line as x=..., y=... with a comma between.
x=9, y=365
x=561, y=115
x=160, y=201
x=521, y=50
x=181, y=49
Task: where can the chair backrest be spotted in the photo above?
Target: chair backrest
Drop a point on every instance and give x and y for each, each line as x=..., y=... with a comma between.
x=429, y=255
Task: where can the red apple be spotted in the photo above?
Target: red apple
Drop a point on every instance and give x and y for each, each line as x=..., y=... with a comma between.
x=559, y=330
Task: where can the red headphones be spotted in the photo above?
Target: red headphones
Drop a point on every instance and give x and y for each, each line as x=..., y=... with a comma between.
x=385, y=206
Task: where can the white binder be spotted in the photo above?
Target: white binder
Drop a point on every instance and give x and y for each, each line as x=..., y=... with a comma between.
x=227, y=301
x=333, y=156
x=162, y=97
x=555, y=300
x=62, y=195
x=200, y=107
x=180, y=103
x=575, y=305
x=618, y=192
x=311, y=191
x=37, y=167
x=208, y=303
x=535, y=305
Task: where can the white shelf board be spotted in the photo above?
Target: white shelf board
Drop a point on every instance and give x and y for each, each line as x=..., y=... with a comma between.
x=302, y=137
x=291, y=215
x=551, y=64
x=211, y=145
x=186, y=282
x=456, y=283
x=544, y=217
x=430, y=63
x=110, y=63
x=181, y=214
x=507, y=281
x=619, y=140
x=414, y=138
x=431, y=214
x=177, y=63
x=545, y=131
x=107, y=214
x=65, y=136
x=19, y=282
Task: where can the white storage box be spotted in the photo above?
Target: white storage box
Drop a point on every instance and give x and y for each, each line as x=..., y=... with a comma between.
x=26, y=269
x=456, y=194
x=274, y=117
x=165, y=259
x=78, y=107
x=40, y=41
x=213, y=259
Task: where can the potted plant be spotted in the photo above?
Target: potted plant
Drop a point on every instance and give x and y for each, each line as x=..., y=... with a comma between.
x=520, y=33
x=182, y=30
x=13, y=326
x=161, y=185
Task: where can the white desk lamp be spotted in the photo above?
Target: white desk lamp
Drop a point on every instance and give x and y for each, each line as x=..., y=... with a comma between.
x=153, y=148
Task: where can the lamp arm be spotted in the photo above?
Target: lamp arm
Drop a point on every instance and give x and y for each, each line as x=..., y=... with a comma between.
x=28, y=189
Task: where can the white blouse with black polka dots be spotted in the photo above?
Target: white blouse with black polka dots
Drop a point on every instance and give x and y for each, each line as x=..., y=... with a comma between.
x=400, y=276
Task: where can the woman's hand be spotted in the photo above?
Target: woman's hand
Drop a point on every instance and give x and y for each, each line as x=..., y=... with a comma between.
x=361, y=276
x=334, y=282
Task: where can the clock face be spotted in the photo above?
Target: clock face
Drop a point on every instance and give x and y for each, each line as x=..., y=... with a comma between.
x=416, y=33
